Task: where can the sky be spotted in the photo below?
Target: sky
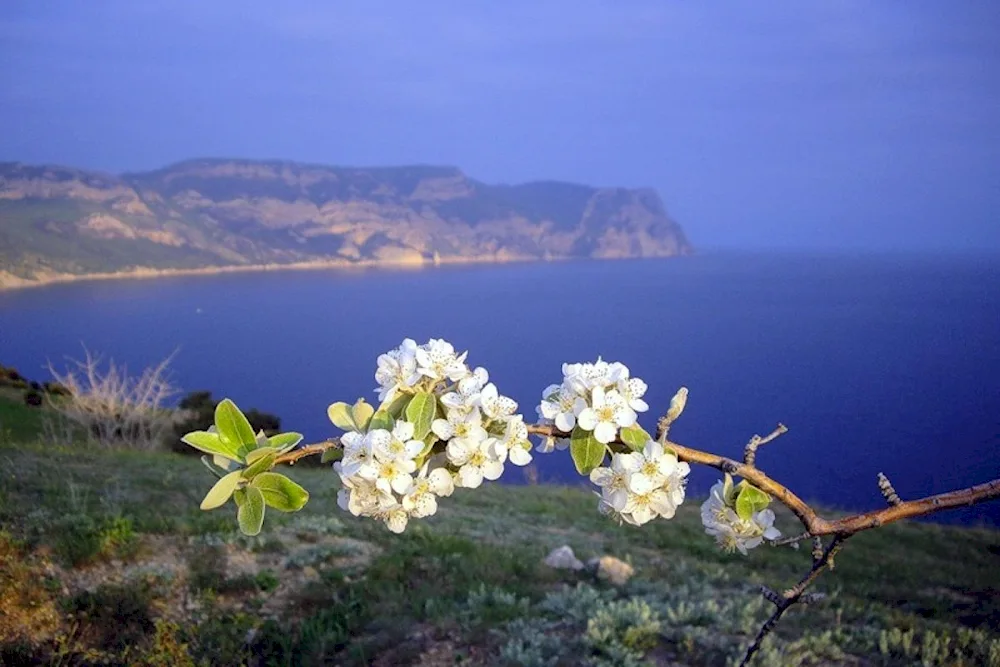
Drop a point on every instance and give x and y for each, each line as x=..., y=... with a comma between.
x=819, y=125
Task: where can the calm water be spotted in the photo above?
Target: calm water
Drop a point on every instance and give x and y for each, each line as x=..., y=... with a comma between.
x=875, y=363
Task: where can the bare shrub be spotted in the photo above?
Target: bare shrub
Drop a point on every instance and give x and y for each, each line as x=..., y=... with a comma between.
x=113, y=408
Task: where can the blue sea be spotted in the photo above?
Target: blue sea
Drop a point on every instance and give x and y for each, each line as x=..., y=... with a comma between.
x=876, y=363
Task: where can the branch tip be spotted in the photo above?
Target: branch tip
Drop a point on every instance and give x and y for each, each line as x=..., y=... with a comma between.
x=888, y=492
x=750, y=452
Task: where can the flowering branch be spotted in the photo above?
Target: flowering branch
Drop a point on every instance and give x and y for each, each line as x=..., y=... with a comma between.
x=441, y=425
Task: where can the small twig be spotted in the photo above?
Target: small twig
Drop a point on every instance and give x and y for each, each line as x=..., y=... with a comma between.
x=793, y=596
x=888, y=492
x=771, y=596
x=307, y=450
x=817, y=551
x=792, y=540
x=750, y=452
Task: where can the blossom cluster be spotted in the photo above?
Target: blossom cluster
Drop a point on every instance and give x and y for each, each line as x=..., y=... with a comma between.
x=598, y=397
x=732, y=532
x=601, y=401
x=641, y=486
x=441, y=425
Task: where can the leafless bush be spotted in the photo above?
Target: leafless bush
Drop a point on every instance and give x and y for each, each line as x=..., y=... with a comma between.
x=113, y=408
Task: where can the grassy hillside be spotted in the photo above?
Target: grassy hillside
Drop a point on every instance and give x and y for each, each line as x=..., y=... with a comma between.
x=106, y=559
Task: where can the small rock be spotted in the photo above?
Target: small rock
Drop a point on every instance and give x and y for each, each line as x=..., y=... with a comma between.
x=609, y=568
x=563, y=558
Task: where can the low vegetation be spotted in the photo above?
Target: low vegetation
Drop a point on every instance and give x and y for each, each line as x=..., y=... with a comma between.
x=106, y=560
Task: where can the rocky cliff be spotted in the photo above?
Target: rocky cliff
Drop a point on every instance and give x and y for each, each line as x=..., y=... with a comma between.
x=60, y=222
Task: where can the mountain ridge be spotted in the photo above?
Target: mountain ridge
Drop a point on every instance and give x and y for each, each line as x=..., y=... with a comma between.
x=206, y=214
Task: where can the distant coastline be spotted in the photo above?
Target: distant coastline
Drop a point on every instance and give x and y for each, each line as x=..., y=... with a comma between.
x=10, y=282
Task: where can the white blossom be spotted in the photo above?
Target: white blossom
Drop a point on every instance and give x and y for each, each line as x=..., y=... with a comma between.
x=495, y=406
x=465, y=397
x=515, y=440
x=606, y=413
x=357, y=454
x=548, y=444
x=397, y=369
x=731, y=532
x=397, y=444
x=389, y=472
x=654, y=466
x=643, y=507
x=477, y=461
x=614, y=480
x=438, y=361
x=420, y=499
x=560, y=406
x=632, y=390
x=358, y=496
x=465, y=428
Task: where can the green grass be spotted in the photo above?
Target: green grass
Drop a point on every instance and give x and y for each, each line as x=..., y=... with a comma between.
x=121, y=529
x=18, y=422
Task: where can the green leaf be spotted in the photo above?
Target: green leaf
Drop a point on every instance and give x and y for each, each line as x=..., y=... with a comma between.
x=586, y=450
x=382, y=419
x=729, y=491
x=420, y=412
x=430, y=440
x=635, y=437
x=210, y=443
x=340, y=414
x=284, y=442
x=362, y=414
x=214, y=469
x=260, y=464
x=250, y=515
x=280, y=492
x=750, y=500
x=221, y=492
x=233, y=426
x=332, y=455
x=398, y=405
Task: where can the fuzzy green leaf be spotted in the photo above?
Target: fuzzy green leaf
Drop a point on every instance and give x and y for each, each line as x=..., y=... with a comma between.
x=397, y=406
x=635, y=437
x=586, y=450
x=331, y=455
x=259, y=464
x=233, y=426
x=284, y=442
x=250, y=515
x=280, y=492
x=382, y=419
x=750, y=500
x=340, y=414
x=221, y=492
x=362, y=413
x=210, y=443
x=420, y=412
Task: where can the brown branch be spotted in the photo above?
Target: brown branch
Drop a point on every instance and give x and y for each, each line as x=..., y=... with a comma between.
x=308, y=450
x=815, y=525
x=792, y=596
x=750, y=452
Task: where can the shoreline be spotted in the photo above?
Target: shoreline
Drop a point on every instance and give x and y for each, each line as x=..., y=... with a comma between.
x=10, y=282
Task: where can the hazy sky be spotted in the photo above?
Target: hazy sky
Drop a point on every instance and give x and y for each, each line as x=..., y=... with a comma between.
x=793, y=124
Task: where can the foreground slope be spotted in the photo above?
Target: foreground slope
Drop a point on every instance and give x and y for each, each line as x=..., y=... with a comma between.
x=59, y=221
x=106, y=559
